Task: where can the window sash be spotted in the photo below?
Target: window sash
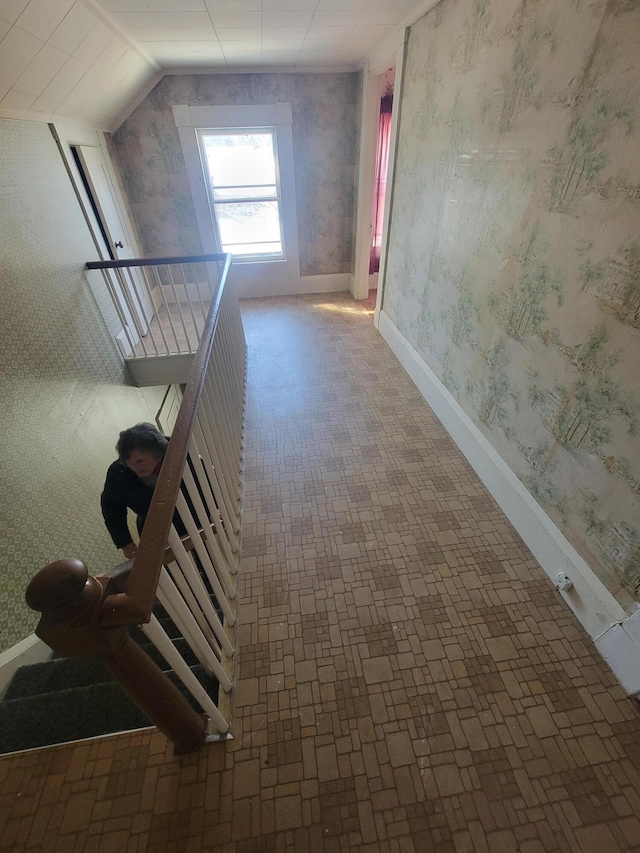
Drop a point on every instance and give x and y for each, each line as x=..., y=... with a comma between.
x=215, y=201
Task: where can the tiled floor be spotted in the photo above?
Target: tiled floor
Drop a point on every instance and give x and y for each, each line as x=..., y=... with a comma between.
x=174, y=331
x=408, y=681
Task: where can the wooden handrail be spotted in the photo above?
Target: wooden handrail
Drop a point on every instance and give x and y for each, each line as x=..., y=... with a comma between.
x=152, y=262
x=84, y=616
x=135, y=606
x=68, y=599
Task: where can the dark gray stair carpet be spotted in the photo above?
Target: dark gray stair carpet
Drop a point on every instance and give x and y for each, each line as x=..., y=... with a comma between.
x=44, y=719
x=68, y=699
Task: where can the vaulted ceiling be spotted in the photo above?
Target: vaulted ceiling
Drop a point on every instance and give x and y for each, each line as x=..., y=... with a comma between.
x=92, y=60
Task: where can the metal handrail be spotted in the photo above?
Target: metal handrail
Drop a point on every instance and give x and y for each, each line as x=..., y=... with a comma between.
x=151, y=262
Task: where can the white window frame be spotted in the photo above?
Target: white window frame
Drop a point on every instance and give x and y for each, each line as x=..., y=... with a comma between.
x=203, y=132
x=255, y=276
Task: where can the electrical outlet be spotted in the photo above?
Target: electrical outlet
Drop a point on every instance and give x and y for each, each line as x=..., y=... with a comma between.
x=563, y=583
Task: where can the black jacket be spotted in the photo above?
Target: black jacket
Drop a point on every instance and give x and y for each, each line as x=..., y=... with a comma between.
x=122, y=490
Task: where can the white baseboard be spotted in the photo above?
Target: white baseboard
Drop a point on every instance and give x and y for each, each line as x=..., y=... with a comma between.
x=620, y=647
x=28, y=651
x=335, y=282
x=590, y=600
x=275, y=285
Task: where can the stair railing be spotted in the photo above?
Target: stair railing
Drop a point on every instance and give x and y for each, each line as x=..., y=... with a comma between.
x=162, y=303
x=192, y=575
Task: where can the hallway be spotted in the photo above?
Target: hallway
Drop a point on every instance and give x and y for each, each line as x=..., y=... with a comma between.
x=409, y=680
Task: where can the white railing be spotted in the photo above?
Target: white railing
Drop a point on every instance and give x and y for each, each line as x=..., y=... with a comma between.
x=187, y=558
x=162, y=303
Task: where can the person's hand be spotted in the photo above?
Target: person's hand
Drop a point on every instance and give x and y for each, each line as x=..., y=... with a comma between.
x=130, y=550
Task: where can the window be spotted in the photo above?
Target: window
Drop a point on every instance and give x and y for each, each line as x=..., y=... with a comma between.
x=239, y=162
x=243, y=186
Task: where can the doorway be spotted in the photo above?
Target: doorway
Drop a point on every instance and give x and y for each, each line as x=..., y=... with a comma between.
x=128, y=285
x=383, y=148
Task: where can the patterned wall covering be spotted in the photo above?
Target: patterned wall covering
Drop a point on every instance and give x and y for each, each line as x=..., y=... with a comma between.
x=514, y=266
x=326, y=115
x=63, y=384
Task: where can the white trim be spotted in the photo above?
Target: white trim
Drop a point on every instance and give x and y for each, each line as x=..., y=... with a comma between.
x=186, y=70
x=115, y=27
x=330, y=283
x=69, y=134
x=377, y=57
x=590, y=600
x=396, y=117
x=620, y=647
x=419, y=11
x=369, y=119
x=27, y=651
x=366, y=167
x=260, y=277
x=259, y=115
x=135, y=102
x=46, y=118
x=280, y=286
x=163, y=370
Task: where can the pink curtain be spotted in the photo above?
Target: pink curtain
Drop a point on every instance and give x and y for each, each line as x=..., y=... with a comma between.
x=380, y=187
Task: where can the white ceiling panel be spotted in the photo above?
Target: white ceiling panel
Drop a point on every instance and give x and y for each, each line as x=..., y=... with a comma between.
x=42, y=105
x=94, y=43
x=222, y=18
x=36, y=77
x=65, y=80
x=236, y=34
x=329, y=33
x=344, y=5
x=202, y=34
x=213, y=48
x=233, y=5
x=18, y=49
x=42, y=17
x=90, y=58
x=10, y=10
x=241, y=48
x=18, y=100
x=151, y=34
x=291, y=44
x=288, y=5
x=125, y=5
x=183, y=20
x=177, y=5
x=135, y=20
x=75, y=27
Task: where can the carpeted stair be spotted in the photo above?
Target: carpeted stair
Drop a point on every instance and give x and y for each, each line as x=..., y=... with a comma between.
x=66, y=699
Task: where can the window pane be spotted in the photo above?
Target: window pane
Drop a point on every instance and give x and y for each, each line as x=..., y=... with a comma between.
x=252, y=191
x=240, y=159
x=249, y=228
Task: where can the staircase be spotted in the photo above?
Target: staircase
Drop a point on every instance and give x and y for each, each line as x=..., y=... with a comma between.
x=69, y=699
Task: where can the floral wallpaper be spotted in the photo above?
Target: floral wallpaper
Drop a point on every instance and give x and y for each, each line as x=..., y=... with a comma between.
x=326, y=115
x=64, y=387
x=514, y=261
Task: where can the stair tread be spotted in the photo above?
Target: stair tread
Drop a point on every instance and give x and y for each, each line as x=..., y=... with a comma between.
x=98, y=709
x=67, y=673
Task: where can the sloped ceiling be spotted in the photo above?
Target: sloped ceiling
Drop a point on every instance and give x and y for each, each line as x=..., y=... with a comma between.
x=92, y=61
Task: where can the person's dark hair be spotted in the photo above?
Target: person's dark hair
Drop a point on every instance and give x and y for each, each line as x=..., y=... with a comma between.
x=144, y=437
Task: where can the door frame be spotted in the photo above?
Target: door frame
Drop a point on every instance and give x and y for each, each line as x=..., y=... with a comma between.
x=390, y=53
x=70, y=134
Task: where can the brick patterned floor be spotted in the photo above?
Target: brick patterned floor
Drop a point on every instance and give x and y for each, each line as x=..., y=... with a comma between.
x=409, y=680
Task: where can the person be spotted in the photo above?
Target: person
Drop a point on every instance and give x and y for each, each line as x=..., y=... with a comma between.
x=130, y=482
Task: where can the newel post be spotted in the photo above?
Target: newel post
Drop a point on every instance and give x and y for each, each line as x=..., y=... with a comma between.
x=70, y=601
